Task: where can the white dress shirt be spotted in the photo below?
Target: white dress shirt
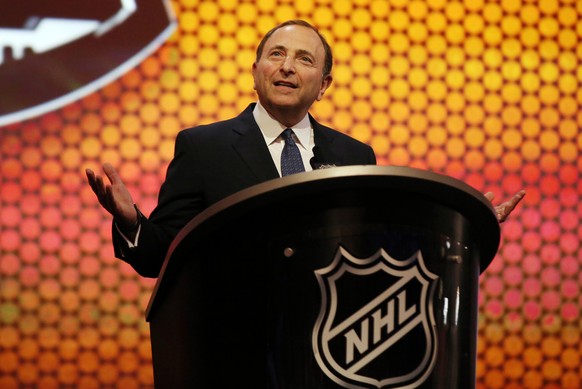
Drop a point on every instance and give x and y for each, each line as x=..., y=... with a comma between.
x=272, y=129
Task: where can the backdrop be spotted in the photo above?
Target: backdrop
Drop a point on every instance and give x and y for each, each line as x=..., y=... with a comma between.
x=487, y=91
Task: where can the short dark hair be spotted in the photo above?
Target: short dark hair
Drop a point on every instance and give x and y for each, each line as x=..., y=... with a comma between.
x=297, y=22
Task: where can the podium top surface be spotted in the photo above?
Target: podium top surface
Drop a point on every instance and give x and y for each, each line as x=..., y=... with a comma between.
x=439, y=188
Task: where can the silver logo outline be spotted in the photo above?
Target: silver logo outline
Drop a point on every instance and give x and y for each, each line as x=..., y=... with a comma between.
x=344, y=262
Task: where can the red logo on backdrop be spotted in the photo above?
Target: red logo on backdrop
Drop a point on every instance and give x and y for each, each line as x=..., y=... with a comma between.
x=376, y=327
x=55, y=52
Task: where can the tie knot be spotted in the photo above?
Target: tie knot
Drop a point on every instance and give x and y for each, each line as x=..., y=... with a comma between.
x=288, y=135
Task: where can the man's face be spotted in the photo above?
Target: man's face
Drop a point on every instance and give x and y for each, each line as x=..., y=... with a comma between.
x=288, y=76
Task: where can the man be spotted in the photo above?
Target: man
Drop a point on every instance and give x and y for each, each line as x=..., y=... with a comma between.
x=291, y=71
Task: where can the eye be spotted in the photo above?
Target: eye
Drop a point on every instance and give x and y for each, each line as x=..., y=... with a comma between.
x=306, y=59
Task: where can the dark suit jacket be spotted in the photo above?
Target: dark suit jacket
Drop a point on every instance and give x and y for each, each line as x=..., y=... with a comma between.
x=212, y=162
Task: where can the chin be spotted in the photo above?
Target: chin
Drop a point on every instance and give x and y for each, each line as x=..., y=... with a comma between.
x=284, y=103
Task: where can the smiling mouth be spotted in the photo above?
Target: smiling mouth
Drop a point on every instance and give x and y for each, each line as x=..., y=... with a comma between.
x=286, y=84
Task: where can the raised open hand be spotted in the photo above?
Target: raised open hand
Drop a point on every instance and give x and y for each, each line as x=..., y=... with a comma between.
x=114, y=197
x=504, y=209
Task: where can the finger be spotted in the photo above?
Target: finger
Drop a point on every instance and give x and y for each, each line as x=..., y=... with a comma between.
x=102, y=195
x=93, y=182
x=111, y=173
x=516, y=198
x=511, y=203
x=90, y=175
x=489, y=196
x=508, y=206
x=99, y=186
x=96, y=184
x=110, y=200
x=91, y=179
x=501, y=214
x=504, y=210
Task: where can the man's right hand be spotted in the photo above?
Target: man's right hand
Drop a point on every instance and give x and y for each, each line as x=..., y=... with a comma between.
x=114, y=197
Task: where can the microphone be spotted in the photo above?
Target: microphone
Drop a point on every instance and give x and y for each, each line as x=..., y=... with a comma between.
x=315, y=161
x=321, y=159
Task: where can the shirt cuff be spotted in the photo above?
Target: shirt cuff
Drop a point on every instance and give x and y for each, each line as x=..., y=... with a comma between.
x=130, y=244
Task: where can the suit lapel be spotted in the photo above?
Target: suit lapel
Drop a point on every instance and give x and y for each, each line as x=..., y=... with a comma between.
x=251, y=146
x=323, y=152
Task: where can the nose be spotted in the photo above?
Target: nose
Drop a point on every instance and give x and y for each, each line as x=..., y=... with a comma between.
x=288, y=66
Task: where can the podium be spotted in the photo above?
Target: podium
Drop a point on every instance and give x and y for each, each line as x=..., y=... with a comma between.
x=348, y=277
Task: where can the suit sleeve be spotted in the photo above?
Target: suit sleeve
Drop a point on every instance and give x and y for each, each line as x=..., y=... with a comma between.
x=181, y=198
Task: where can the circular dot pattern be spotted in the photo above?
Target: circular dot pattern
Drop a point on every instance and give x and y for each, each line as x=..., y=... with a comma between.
x=485, y=91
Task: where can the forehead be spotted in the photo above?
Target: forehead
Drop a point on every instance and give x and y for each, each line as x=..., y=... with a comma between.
x=295, y=37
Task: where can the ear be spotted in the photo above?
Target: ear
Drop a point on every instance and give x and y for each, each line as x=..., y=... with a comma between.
x=253, y=72
x=325, y=83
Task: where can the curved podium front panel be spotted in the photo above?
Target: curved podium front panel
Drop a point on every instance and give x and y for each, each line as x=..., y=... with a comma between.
x=352, y=277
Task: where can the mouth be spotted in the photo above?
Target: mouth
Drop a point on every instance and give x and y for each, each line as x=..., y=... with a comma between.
x=286, y=84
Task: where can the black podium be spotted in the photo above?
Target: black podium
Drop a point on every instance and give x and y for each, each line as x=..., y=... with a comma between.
x=348, y=277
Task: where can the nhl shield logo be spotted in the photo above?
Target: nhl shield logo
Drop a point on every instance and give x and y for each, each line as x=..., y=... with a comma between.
x=376, y=327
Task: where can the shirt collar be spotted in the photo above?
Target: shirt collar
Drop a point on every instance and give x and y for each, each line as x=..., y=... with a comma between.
x=271, y=128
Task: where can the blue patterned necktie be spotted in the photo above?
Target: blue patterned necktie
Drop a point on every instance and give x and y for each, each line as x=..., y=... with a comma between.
x=291, y=161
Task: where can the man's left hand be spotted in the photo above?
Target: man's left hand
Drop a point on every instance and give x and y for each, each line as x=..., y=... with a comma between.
x=504, y=209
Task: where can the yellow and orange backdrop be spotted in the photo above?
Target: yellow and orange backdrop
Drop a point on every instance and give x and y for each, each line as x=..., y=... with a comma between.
x=487, y=91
